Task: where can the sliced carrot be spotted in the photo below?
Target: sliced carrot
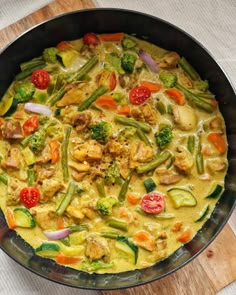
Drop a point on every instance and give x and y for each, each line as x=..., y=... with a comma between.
x=176, y=95
x=54, y=149
x=142, y=236
x=62, y=259
x=60, y=223
x=218, y=140
x=185, y=236
x=10, y=219
x=63, y=45
x=112, y=37
x=112, y=83
x=106, y=102
x=145, y=240
x=133, y=199
x=153, y=87
x=125, y=110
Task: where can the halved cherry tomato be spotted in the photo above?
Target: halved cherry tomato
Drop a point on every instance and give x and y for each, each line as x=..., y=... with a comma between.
x=40, y=78
x=112, y=82
x=153, y=203
x=30, y=125
x=29, y=196
x=90, y=39
x=138, y=95
x=63, y=45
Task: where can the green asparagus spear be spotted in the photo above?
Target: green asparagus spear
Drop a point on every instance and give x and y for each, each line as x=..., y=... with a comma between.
x=131, y=122
x=86, y=103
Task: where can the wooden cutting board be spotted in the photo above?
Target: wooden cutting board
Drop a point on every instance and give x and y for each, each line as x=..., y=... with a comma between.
x=213, y=269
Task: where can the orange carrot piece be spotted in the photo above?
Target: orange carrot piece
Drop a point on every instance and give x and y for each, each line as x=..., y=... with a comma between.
x=153, y=87
x=133, y=199
x=176, y=95
x=54, y=149
x=112, y=82
x=62, y=259
x=218, y=140
x=125, y=110
x=60, y=223
x=106, y=101
x=185, y=236
x=112, y=37
x=10, y=219
x=63, y=45
x=142, y=236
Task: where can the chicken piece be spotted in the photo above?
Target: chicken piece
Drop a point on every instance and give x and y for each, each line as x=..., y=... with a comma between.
x=177, y=226
x=78, y=176
x=11, y=130
x=149, y=113
x=124, y=164
x=13, y=159
x=104, y=78
x=140, y=153
x=13, y=191
x=114, y=148
x=137, y=114
x=184, y=117
x=45, y=156
x=44, y=173
x=81, y=120
x=75, y=212
x=170, y=60
x=49, y=188
x=167, y=177
x=89, y=151
x=79, y=167
x=216, y=124
x=216, y=165
x=97, y=248
x=45, y=216
x=74, y=96
x=153, y=227
x=161, y=244
x=183, y=160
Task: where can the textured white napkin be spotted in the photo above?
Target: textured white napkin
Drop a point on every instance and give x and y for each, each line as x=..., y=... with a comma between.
x=13, y=10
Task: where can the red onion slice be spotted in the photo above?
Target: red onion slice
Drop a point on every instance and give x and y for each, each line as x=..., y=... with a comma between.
x=149, y=61
x=58, y=234
x=38, y=108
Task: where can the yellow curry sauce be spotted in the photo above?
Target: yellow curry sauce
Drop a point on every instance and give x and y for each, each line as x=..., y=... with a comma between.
x=123, y=165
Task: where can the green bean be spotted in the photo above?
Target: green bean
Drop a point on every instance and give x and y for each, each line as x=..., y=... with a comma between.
x=64, y=154
x=143, y=137
x=79, y=227
x=199, y=159
x=202, y=104
x=118, y=223
x=191, y=144
x=110, y=233
x=29, y=71
x=57, y=96
x=26, y=141
x=31, y=63
x=207, y=95
x=169, y=109
x=170, y=162
x=100, y=187
x=86, y=103
x=83, y=70
x=131, y=122
x=67, y=199
x=124, y=187
x=161, y=107
x=188, y=68
x=31, y=177
x=157, y=161
x=4, y=178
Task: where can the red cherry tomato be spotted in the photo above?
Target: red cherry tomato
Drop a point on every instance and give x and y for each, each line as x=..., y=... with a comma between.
x=40, y=78
x=153, y=203
x=30, y=125
x=90, y=39
x=138, y=95
x=29, y=196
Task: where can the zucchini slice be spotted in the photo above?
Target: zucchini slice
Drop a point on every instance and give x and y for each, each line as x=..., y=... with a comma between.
x=182, y=198
x=124, y=245
x=203, y=213
x=23, y=218
x=216, y=192
x=149, y=185
x=49, y=250
x=5, y=104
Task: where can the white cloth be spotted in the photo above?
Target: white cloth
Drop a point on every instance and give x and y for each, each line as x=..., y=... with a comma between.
x=13, y=10
x=212, y=22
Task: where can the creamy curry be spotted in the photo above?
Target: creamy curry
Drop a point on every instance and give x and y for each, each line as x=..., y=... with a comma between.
x=113, y=153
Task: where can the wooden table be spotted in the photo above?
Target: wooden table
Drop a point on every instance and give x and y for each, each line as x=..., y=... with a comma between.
x=206, y=274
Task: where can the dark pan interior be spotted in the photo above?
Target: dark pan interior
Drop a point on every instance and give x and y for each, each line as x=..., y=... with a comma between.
x=73, y=26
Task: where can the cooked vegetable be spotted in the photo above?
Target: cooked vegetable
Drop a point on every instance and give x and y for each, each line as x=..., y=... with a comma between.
x=95, y=265
x=63, y=259
x=124, y=187
x=67, y=198
x=31, y=63
x=168, y=79
x=201, y=85
x=115, y=37
x=57, y=96
x=128, y=61
x=110, y=233
x=203, y=213
x=138, y=95
x=104, y=205
x=50, y=54
x=100, y=132
x=182, y=198
x=176, y=95
x=23, y=218
x=143, y=137
x=112, y=175
x=131, y=122
x=218, y=140
x=31, y=176
x=118, y=223
x=125, y=245
x=188, y=68
x=153, y=87
x=37, y=141
x=164, y=137
x=64, y=153
x=24, y=91
x=128, y=43
x=91, y=39
x=29, y=196
x=6, y=104
x=58, y=234
x=86, y=103
x=148, y=60
x=67, y=56
x=3, y=178
x=100, y=187
x=106, y=101
x=191, y=144
x=215, y=192
x=161, y=107
x=149, y=185
x=38, y=108
x=29, y=70
x=40, y=78
x=48, y=250
x=199, y=159
x=153, y=203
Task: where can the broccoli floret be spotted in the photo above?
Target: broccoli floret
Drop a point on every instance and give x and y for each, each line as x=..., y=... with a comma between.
x=104, y=205
x=50, y=54
x=201, y=85
x=43, y=119
x=126, y=133
x=100, y=132
x=114, y=63
x=127, y=62
x=128, y=43
x=112, y=174
x=95, y=265
x=168, y=79
x=164, y=137
x=24, y=91
x=37, y=141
